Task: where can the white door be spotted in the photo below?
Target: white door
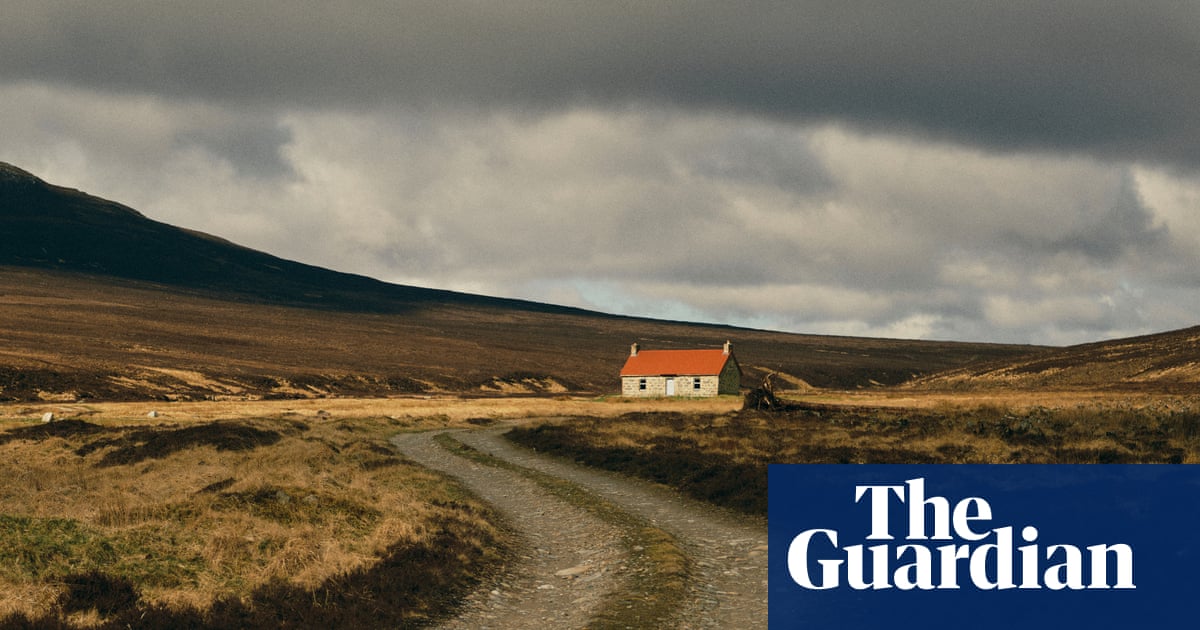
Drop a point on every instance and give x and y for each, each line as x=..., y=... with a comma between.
x=670, y=387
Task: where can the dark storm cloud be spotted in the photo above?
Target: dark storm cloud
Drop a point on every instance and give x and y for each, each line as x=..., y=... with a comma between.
x=251, y=144
x=1122, y=227
x=1012, y=171
x=1114, y=79
x=754, y=156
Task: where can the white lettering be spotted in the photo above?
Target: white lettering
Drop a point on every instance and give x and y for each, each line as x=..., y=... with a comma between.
x=1067, y=574
x=1124, y=554
x=963, y=517
x=879, y=508
x=797, y=560
x=1004, y=569
x=879, y=568
x=950, y=555
x=916, y=512
x=1029, y=558
x=993, y=565
x=917, y=574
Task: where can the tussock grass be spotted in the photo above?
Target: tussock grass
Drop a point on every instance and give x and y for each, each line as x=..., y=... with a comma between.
x=247, y=523
x=723, y=458
x=409, y=412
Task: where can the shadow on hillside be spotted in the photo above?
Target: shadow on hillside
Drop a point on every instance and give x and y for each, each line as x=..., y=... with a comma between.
x=133, y=445
x=60, y=429
x=413, y=585
x=156, y=443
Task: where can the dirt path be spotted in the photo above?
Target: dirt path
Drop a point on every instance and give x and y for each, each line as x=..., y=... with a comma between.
x=567, y=562
x=729, y=555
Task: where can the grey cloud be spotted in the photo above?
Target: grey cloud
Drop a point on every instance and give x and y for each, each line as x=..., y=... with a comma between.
x=760, y=157
x=140, y=133
x=1113, y=79
x=723, y=216
x=854, y=253
x=1123, y=228
x=252, y=144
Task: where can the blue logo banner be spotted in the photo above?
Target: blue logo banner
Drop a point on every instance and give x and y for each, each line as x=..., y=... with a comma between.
x=984, y=546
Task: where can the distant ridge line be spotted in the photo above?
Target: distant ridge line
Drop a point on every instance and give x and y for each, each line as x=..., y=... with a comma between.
x=10, y=174
x=52, y=227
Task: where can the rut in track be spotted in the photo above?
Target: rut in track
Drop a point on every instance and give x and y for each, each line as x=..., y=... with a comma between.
x=568, y=560
x=728, y=588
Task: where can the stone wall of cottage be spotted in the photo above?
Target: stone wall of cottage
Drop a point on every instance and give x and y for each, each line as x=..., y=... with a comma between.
x=655, y=386
x=685, y=386
x=709, y=386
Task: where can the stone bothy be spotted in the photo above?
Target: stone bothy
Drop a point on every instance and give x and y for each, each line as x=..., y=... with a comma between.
x=692, y=373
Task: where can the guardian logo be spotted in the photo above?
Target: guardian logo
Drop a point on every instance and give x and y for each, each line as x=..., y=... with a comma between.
x=955, y=546
x=984, y=557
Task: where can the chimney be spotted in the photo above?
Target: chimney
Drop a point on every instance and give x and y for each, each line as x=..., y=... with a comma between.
x=633, y=350
x=727, y=347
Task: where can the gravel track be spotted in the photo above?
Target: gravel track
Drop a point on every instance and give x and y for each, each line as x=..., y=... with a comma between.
x=728, y=552
x=567, y=560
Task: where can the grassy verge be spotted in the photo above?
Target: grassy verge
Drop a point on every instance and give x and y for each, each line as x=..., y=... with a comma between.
x=660, y=567
x=249, y=523
x=723, y=458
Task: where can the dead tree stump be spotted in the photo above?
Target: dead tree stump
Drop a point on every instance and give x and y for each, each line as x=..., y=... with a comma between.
x=762, y=398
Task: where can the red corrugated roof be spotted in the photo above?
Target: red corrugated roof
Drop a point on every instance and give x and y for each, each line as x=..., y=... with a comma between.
x=676, y=362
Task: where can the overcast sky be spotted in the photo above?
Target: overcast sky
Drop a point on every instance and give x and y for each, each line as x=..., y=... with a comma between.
x=1010, y=171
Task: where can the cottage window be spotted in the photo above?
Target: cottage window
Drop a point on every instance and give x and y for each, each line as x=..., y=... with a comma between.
x=696, y=383
x=642, y=384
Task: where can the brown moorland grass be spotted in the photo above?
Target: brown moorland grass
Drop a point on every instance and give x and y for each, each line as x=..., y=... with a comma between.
x=231, y=523
x=404, y=412
x=78, y=337
x=723, y=458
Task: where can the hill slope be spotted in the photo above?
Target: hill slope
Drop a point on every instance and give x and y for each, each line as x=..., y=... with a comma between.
x=1164, y=361
x=52, y=227
x=98, y=301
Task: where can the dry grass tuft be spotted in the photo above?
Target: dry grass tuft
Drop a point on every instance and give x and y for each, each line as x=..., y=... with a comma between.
x=724, y=458
x=231, y=523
